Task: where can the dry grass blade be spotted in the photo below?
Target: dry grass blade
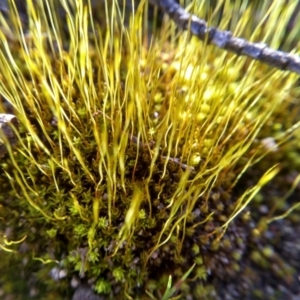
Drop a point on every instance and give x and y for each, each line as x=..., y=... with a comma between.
x=7, y=132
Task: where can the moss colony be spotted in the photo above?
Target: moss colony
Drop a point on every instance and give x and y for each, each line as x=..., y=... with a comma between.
x=143, y=153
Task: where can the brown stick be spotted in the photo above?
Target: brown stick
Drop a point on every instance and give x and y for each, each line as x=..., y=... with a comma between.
x=224, y=39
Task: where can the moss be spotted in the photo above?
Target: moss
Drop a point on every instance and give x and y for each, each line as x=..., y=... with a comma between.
x=132, y=152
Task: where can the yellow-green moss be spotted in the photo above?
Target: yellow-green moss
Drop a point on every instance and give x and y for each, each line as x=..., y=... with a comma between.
x=130, y=146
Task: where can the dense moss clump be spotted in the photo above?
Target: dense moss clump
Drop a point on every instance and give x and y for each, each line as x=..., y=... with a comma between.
x=142, y=154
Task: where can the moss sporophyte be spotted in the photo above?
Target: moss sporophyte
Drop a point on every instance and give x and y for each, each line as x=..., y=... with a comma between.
x=148, y=164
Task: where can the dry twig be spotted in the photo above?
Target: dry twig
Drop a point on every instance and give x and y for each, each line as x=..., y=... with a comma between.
x=225, y=40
